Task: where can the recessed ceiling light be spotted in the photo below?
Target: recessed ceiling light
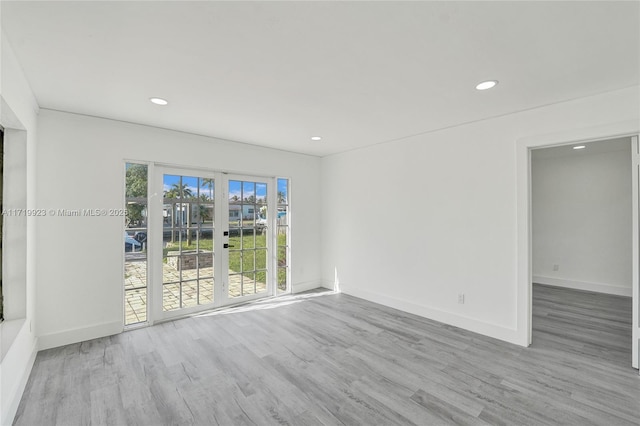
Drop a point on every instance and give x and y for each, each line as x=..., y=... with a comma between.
x=159, y=101
x=316, y=138
x=579, y=147
x=486, y=84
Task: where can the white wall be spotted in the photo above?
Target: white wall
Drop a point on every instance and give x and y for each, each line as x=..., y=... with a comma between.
x=18, y=115
x=81, y=166
x=582, y=220
x=413, y=223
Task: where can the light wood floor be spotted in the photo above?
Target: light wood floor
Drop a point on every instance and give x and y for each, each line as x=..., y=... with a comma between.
x=335, y=359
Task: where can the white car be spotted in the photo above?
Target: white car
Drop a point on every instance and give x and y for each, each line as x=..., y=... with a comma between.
x=261, y=222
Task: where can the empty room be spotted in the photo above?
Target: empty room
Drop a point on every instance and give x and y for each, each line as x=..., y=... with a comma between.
x=195, y=231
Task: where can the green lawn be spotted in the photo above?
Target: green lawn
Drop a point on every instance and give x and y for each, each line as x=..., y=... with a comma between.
x=245, y=264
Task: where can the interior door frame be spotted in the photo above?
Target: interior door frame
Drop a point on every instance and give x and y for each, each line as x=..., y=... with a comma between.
x=156, y=174
x=635, y=251
x=524, y=300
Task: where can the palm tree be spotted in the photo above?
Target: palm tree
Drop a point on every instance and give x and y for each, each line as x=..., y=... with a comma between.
x=282, y=197
x=136, y=193
x=208, y=184
x=203, y=210
x=179, y=191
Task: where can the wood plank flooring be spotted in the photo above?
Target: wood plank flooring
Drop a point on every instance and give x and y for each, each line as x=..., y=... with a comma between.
x=332, y=359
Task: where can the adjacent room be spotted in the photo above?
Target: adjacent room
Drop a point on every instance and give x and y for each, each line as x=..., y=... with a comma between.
x=582, y=207
x=323, y=213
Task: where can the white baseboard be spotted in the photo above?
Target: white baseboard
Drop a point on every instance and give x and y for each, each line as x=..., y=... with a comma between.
x=15, y=360
x=487, y=329
x=328, y=284
x=306, y=286
x=581, y=285
x=76, y=335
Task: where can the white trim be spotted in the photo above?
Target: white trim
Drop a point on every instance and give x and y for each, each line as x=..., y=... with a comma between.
x=16, y=396
x=625, y=128
x=331, y=285
x=9, y=330
x=272, y=235
x=635, y=238
x=583, y=285
x=151, y=248
x=524, y=291
x=80, y=334
x=449, y=318
x=304, y=286
x=14, y=361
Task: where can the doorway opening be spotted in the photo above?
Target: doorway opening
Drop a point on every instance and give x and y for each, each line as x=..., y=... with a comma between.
x=581, y=238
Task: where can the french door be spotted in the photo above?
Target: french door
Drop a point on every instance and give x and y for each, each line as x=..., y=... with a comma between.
x=212, y=240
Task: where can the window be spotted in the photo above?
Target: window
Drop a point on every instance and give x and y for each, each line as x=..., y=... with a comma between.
x=135, y=244
x=283, y=237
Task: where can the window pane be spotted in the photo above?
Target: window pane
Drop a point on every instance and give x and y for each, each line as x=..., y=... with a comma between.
x=261, y=194
x=248, y=261
x=283, y=232
x=261, y=259
x=171, y=268
x=135, y=306
x=206, y=291
x=261, y=240
x=235, y=285
x=283, y=191
x=282, y=256
x=248, y=284
x=171, y=186
x=135, y=243
x=189, y=293
x=249, y=192
x=207, y=187
x=282, y=279
x=170, y=297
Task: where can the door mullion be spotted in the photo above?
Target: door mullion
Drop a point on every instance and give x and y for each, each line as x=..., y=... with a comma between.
x=221, y=214
x=272, y=236
x=154, y=246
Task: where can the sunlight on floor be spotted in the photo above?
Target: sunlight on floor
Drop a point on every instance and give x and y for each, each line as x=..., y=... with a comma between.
x=271, y=303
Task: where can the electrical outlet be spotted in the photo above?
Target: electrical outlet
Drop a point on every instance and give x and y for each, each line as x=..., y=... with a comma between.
x=461, y=298
x=556, y=267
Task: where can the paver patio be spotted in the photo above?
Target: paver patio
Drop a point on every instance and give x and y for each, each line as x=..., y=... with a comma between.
x=192, y=293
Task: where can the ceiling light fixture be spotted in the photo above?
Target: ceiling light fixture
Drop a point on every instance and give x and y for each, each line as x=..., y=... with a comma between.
x=579, y=147
x=316, y=138
x=486, y=84
x=159, y=101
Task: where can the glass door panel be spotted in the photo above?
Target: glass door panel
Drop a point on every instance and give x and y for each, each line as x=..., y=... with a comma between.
x=213, y=239
x=188, y=249
x=248, y=239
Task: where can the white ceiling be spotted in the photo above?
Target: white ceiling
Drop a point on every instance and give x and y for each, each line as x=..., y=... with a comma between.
x=355, y=73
